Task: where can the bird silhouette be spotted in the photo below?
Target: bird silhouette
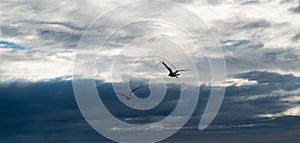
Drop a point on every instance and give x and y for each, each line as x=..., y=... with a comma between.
x=171, y=73
x=128, y=97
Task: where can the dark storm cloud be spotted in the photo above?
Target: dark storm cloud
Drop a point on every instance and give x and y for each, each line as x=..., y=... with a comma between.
x=238, y=107
x=250, y=136
x=273, y=81
x=237, y=119
x=33, y=111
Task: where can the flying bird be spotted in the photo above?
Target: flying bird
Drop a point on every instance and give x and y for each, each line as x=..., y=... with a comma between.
x=128, y=97
x=171, y=73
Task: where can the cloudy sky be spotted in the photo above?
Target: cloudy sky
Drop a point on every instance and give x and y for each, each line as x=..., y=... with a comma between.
x=259, y=39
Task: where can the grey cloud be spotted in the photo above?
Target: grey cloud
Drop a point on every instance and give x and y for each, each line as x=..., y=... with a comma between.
x=296, y=9
x=11, y=31
x=65, y=24
x=245, y=24
x=296, y=37
x=232, y=45
x=78, y=14
x=287, y=81
x=245, y=2
x=252, y=55
x=249, y=108
x=213, y=2
x=183, y=1
x=256, y=24
x=286, y=1
x=241, y=30
x=69, y=40
x=24, y=19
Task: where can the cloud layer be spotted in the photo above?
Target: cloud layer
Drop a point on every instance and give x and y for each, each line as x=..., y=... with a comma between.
x=35, y=111
x=254, y=35
x=259, y=40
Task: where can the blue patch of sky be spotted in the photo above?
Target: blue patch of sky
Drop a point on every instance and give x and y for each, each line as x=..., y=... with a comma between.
x=11, y=45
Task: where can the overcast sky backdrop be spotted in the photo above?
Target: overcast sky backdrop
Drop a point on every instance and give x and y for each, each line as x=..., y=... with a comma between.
x=260, y=40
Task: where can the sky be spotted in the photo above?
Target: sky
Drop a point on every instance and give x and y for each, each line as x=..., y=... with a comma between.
x=44, y=45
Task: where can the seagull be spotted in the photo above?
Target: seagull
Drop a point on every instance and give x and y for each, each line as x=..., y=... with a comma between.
x=128, y=97
x=171, y=73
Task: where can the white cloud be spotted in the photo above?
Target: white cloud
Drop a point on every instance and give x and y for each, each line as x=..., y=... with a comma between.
x=290, y=96
x=56, y=26
x=240, y=82
x=34, y=65
x=294, y=111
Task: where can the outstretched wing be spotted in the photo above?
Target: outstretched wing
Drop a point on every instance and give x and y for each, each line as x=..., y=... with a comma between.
x=167, y=67
x=135, y=89
x=179, y=71
x=121, y=94
x=126, y=96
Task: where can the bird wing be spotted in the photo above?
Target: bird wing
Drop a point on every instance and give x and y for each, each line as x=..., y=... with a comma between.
x=122, y=94
x=179, y=71
x=135, y=89
x=167, y=67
